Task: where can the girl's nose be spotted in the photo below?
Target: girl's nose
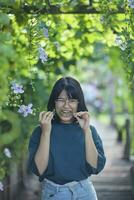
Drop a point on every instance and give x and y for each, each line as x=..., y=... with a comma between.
x=66, y=104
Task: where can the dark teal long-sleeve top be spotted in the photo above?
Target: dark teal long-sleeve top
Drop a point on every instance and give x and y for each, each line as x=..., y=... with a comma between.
x=67, y=157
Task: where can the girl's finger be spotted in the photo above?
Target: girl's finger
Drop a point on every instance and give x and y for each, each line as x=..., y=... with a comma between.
x=77, y=117
x=79, y=113
x=41, y=114
x=50, y=116
x=82, y=113
x=46, y=115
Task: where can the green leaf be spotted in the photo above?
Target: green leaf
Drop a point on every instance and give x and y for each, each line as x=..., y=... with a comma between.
x=4, y=19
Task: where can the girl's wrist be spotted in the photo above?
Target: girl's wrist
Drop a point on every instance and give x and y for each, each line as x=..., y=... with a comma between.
x=87, y=131
x=46, y=132
x=45, y=136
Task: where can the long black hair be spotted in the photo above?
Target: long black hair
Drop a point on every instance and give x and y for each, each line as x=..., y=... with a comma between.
x=73, y=90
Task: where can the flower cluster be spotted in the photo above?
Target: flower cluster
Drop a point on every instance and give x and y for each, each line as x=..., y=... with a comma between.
x=17, y=88
x=122, y=44
x=25, y=110
x=42, y=54
x=131, y=3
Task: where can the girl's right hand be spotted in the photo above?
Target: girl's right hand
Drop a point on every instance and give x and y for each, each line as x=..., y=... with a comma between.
x=45, y=121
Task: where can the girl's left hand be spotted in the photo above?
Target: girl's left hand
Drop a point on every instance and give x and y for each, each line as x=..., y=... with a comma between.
x=83, y=119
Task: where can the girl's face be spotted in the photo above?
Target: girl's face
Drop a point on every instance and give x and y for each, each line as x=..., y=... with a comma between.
x=66, y=107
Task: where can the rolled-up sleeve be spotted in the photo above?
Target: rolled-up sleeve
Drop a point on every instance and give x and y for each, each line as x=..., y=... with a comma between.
x=32, y=148
x=101, y=155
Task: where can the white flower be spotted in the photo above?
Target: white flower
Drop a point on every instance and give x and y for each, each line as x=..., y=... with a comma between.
x=7, y=152
x=1, y=186
x=122, y=44
x=118, y=40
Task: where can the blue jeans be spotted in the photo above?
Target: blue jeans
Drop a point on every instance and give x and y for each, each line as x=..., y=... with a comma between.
x=82, y=190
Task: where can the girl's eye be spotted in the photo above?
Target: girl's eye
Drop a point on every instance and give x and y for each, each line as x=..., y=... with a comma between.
x=73, y=100
x=61, y=100
x=70, y=101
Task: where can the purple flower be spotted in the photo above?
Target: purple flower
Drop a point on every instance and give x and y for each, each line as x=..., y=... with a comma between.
x=42, y=54
x=7, y=152
x=28, y=108
x=1, y=186
x=17, y=88
x=22, y=109
x=25, y=110
x=131, y=3
x=45, y=32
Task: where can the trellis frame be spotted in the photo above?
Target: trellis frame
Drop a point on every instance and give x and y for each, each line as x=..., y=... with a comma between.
x=57, y=9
